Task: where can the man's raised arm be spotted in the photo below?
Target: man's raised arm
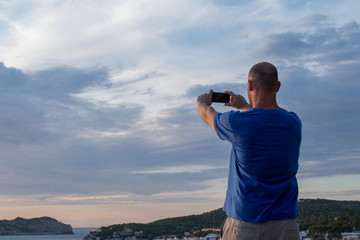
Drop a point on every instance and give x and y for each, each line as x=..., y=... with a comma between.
x=206, y=112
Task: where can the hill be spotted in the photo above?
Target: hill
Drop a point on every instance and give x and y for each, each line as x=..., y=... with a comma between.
x=34, y=226
x=328, y=216
x=176, y=226
x=318, y=216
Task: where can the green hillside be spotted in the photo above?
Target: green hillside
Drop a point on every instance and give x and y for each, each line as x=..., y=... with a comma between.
x=176, y=226
x=328, y=216
x=318, y=216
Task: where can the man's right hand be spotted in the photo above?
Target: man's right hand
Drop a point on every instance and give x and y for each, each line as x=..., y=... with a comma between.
x=238, y=102
x=206, y=112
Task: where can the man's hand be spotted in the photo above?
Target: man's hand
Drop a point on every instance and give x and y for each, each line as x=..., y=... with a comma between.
x=205, y=98
x=237, y=101
x=206, y=112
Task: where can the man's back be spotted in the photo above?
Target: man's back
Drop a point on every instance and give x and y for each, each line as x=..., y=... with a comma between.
x=264, y=160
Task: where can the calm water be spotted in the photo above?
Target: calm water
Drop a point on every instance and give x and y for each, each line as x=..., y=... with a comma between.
x=79, y=234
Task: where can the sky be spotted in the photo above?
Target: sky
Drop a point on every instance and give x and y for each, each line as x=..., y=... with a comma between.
x=99, y=124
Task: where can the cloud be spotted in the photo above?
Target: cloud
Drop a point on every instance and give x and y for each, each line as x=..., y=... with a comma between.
x=189, y=169
x=283, y=45
x=63, y=144
x=39, y=104
x=348, y=194
x=315, y=20
x=10, y=77
x=43, y=127
x=67, y=80
x=325, y=44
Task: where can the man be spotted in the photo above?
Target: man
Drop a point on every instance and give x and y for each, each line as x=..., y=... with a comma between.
x=261, y=199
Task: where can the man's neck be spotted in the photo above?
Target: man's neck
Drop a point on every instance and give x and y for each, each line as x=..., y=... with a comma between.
x=266, y=106
x=265, y=102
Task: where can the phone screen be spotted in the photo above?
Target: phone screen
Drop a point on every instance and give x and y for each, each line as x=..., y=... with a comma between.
x=220, y=97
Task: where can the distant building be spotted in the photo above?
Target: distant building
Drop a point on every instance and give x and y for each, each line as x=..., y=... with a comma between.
x=116, y=235
x=303, y=235
x=166, y=237
x=130, y=238
x=350, y=236
x=211, y=236
x=211, y=229
x=171, y=237
x=126, y=231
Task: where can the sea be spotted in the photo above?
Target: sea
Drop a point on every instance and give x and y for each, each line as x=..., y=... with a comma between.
x=79, y=234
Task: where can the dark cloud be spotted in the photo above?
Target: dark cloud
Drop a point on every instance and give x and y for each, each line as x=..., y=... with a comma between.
x=10, y=77
x=283, y=45
x=66, y=148
x=41, y=105
x=100, y=181
x=51, y=139
x=20, y=118
x=326, y=44
x=59, y=83
x=314, y=20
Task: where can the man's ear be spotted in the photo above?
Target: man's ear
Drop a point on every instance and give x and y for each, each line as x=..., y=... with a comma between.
x=250, y=85
x=278, y=86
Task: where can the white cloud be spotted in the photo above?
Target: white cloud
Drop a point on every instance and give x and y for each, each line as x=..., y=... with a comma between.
x=179, y=169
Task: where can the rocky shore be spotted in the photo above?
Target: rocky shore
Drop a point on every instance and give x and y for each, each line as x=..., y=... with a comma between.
x=34, y=226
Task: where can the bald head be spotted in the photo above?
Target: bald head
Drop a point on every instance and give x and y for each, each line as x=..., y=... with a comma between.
x=264, y=76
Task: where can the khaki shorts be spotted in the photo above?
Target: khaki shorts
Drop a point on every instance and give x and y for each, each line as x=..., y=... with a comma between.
x=287, y=229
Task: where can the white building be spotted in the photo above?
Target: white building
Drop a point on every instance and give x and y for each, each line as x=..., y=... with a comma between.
x=211, y=236
x=303, y=235
x=350, y=236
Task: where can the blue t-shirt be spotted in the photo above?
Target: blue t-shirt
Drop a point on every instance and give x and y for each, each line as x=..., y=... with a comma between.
x=264, y=161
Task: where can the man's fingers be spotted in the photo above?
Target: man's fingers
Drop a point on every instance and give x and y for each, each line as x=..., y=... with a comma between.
x=230, y=93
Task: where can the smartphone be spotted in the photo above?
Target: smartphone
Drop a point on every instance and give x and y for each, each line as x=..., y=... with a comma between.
x=220, y=97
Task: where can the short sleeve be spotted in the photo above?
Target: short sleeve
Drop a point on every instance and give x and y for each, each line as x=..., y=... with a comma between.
x=222, y=125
